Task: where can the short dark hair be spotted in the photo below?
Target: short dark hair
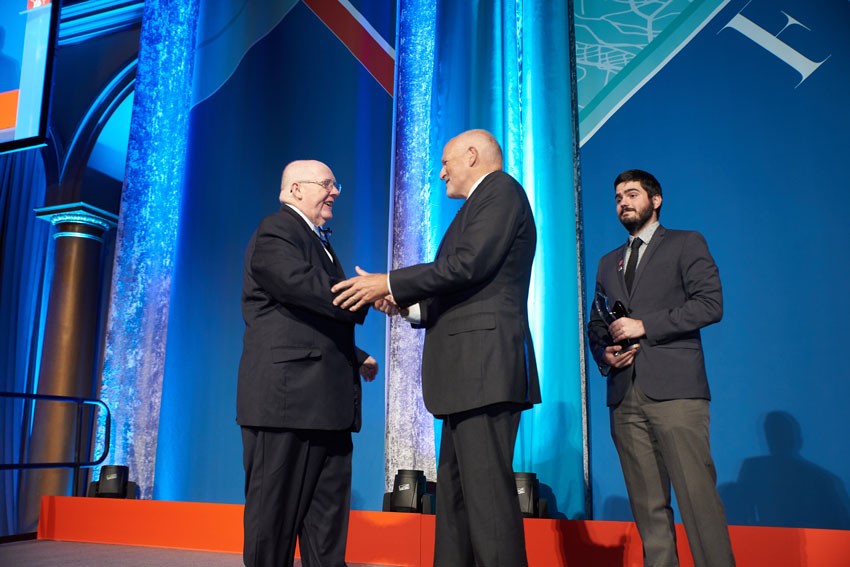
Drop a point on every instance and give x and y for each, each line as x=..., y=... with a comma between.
x=648, y=181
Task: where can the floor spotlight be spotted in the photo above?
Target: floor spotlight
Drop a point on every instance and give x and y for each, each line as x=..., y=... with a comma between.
x=114, y=482
x=409, y=487
x=528, y=490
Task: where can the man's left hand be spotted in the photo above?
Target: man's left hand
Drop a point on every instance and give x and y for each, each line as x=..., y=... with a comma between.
x=626, y=328
x=360, y=290
x=369, y=369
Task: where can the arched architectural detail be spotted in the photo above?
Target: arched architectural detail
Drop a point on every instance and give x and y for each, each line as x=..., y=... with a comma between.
x=75, y=159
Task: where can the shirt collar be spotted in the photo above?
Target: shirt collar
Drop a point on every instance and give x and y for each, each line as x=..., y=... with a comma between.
x=477, y=183
x=646, y=234
x=303, y=216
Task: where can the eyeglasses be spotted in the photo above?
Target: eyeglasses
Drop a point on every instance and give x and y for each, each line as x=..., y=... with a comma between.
x=327, y=184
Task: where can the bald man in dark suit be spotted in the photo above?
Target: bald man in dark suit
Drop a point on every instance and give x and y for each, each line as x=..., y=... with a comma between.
x=478, y=366
x=298, y=394
x=657, y=387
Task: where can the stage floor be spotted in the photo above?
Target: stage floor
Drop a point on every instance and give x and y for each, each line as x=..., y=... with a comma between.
x=42, y=553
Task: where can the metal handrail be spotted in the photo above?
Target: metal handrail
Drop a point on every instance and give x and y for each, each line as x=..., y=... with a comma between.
x=76, y=464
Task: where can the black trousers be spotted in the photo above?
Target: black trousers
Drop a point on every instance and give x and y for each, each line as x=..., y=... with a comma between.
x=297, y=483
x=478, y=516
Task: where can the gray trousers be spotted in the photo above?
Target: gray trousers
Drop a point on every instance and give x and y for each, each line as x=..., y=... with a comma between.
x=664, y=442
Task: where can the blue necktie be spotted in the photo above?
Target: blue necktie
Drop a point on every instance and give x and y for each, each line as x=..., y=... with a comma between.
x=324, y=232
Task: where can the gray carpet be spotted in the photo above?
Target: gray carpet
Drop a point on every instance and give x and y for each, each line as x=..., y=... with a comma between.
x=71, y=554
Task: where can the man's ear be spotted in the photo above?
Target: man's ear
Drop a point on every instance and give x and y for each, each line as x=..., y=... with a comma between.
x=473, y=156
x=656, y=202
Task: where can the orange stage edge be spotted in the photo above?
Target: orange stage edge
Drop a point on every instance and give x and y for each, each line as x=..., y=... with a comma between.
x=407, y=540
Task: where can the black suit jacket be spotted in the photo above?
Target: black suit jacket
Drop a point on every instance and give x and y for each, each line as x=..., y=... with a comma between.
x=676, y=292
x=299, y=366
x=478, y=349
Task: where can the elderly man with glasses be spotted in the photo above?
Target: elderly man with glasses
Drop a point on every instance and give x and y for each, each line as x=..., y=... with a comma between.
x=298, y=393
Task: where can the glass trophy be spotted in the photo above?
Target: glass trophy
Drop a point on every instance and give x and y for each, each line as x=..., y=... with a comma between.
x=610, y=314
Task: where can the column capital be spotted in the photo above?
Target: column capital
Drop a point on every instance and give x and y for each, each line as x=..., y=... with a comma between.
x=85, y=216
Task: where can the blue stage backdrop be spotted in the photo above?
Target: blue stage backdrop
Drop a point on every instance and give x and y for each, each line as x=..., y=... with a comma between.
x=281, y=86
x=746, y=126
x=273, y=84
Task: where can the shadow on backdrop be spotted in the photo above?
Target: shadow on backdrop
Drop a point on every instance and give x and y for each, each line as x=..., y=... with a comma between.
x=617, y=508
x=783, y=488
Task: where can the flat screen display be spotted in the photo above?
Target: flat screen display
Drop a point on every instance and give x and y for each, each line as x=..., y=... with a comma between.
x=27, y=40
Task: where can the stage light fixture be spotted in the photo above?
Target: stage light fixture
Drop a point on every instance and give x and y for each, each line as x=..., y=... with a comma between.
x=409, y=487
x=528, y=491
x=114, y=482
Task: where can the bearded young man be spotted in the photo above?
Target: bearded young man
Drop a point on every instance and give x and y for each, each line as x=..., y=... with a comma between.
x=658, y=392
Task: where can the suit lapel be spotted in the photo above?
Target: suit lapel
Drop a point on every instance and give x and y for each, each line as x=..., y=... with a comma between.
x=336, y=262
x=456, y=225
x=621, y=270
x=331, y=266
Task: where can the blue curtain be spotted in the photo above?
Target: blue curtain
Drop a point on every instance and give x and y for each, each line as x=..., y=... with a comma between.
x=24, y=274
x=505, y=66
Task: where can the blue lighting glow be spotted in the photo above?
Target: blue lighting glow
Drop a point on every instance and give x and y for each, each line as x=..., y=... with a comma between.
x=77, y=235
x=147, y=232
x=413, y=238
x=97, y=17
x=77, y=213
x=540, y=134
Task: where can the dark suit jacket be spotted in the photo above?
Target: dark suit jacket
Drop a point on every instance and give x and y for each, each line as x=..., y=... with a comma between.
x=676, y=292
x=299, y=366
x=474, y=296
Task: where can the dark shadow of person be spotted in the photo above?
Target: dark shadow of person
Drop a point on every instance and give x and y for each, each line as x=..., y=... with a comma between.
x=576, y=545
x=617, y=508
x=783, y=488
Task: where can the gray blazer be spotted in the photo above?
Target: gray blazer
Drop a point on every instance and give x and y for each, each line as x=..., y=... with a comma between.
x=676, y=292
x=478, y=349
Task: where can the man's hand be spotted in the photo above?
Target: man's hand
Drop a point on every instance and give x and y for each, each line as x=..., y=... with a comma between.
x=369, y=369
x=617, y=357
x=388, y=306
x=626, y=328
x=360, y=290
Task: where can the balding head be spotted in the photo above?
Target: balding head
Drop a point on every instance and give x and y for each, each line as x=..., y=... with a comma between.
x=467, y=157
x=301, y=185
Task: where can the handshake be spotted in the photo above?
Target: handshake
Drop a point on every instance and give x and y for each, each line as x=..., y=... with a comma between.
x=366, y=289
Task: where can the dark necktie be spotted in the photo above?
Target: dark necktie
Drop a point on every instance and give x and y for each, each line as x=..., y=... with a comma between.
x=629, y=276
x=323, y=233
